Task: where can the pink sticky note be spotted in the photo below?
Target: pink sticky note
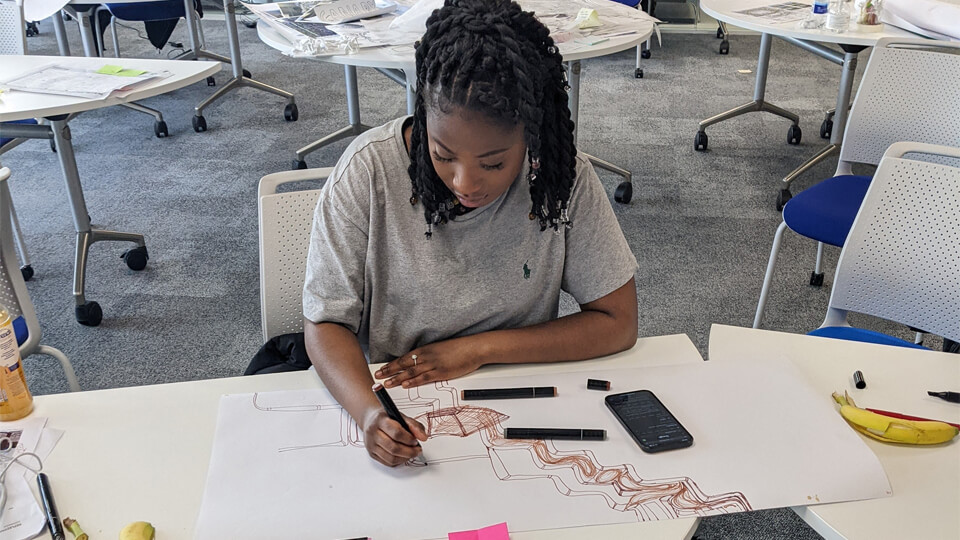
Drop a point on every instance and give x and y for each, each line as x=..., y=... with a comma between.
x=493, y=532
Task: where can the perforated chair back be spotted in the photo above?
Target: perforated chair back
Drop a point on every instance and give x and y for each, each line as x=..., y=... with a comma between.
x=13, y=36
x=910, y=92
x=285, y=222
x=901, y=261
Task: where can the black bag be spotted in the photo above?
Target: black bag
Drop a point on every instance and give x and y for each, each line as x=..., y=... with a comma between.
x=282, y=353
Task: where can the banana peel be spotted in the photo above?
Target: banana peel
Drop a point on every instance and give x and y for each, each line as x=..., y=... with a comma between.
x=138, y=530
x=893, y=430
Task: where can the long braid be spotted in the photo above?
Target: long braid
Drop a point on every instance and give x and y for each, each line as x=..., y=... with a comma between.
x=491, y=57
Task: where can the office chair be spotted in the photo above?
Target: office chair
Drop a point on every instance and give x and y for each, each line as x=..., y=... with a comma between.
x=909, y=92
x=13, y=40
x=285, y=223
x=14, y=296
x=900, y=261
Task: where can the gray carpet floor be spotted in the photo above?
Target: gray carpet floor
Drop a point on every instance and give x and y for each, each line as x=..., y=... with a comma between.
x=700, y=223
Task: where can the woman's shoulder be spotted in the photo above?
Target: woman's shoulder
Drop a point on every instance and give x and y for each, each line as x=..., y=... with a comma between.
x=377, y=147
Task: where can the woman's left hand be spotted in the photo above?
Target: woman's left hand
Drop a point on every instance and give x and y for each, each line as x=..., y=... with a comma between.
x=439, y=361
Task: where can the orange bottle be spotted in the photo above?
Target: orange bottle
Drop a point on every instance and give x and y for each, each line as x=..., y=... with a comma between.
x=15, y=399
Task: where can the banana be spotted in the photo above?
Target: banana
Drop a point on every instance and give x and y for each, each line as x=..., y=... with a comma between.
x=138, y=530
x=887, y=429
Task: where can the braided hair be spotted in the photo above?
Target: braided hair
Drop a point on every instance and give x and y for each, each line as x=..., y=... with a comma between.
x=491, y=57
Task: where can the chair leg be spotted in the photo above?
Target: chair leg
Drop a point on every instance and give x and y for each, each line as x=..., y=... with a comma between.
x=18, y=236
x=113, y=36
x=65, y=363
x=816, y=277
x=768, y=277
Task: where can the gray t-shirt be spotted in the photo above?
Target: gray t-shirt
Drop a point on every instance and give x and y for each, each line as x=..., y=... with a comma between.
x=371, y=269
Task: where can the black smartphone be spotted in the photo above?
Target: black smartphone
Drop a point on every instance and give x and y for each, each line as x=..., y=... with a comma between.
x=648, y=421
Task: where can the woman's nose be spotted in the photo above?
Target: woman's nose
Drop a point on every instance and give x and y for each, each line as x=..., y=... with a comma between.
x=466, y=181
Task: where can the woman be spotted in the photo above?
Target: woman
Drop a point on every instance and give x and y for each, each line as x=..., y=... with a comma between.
x=487, y=169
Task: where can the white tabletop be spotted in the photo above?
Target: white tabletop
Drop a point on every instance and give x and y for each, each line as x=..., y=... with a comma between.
x=142, y=453
x=726, y=11
x=925, y=480
x=21, y=105
x=402, y=57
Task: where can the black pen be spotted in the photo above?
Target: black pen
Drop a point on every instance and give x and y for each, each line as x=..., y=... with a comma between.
x=952, y=397
x=50, y=507
x=392, y=411
x=510, y=393
x=555, y=433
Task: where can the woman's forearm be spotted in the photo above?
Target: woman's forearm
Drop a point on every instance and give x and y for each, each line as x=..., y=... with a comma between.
x=336, y=354
x=606, y=326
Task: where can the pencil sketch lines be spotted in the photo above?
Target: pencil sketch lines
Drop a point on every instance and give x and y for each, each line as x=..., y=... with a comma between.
x=576, y=473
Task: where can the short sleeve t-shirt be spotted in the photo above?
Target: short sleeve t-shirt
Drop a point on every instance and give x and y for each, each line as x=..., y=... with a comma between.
x=371, y=269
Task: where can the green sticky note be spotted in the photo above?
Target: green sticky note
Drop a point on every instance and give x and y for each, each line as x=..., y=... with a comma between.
x=110, y=70
x=120, y=72
x=131, y=72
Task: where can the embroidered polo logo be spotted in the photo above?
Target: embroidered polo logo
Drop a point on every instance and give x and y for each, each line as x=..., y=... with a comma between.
x=526, y=271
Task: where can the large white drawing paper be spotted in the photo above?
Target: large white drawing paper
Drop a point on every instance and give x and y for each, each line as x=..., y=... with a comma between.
x=292, y=464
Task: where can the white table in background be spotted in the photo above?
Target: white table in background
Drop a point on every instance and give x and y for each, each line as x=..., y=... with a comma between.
x=23, y=105
x=925, y=480
x=851, y=42
x=142, y=453
x=398, y=63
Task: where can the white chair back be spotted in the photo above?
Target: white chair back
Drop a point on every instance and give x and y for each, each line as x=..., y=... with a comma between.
x=901, y=260
x=13, y=36
x=285, y=223
x=13, y=290
x=910, y=92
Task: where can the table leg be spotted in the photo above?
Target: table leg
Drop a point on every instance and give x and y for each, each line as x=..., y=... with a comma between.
x=844, y=93
x=290, y=112
x=86, y=28
x=758, y=103
x=87, y=312
x=353, y=111
x=196, y=50
x=624, y=191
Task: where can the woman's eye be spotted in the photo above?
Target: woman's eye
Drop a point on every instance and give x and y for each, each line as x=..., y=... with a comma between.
x=496, y=167
x=442, y=159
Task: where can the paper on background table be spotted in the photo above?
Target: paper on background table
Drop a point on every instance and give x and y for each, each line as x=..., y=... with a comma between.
x=22, y=516
x=493, y=532
x=763, y=439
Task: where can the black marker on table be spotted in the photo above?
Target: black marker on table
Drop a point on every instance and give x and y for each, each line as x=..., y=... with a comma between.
x=50, y=507
x=392, y=411
x=510, y=393
x=952, y=397
x=555, y=433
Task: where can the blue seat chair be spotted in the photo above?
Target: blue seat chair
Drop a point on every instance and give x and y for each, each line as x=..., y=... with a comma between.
x=899, y=261
x=909, y=92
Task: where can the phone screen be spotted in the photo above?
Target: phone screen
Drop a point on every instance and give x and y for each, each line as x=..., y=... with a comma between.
x=648, y=421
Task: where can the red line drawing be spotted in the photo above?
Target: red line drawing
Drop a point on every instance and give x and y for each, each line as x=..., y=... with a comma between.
x=573, y=473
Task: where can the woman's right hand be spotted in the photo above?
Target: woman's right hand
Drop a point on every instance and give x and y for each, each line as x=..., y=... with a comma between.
x=387, y=441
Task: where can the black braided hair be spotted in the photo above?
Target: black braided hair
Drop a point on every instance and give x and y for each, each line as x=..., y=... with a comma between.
x=493, y=58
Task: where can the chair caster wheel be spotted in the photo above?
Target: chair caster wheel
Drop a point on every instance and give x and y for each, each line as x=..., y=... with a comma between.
x=645, y=54
x=700, y=141
x=724, y=47
x=638, y=73
x=89, y=314
x=794, y=134
x=247, y=74
x=199, y=124
x=136, y=258
x=26, y=272
x=816, y=279
x=160, y=129
x=782, y=198
x=291, y=113
x=623, y=193
x=211, y=81
x=299, y=164
x=719, y=33
x=826, y=128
